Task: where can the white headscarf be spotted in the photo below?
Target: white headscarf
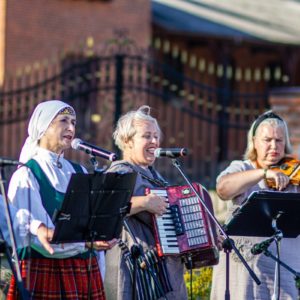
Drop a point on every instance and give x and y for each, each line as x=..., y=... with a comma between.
x=39, y=122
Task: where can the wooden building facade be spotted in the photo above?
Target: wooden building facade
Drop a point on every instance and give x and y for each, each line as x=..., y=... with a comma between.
x=205, y=89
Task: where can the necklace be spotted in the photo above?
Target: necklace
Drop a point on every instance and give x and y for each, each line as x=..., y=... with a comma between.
x=57, y=163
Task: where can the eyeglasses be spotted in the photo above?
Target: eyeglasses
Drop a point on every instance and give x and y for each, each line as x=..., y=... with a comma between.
x=261, y=118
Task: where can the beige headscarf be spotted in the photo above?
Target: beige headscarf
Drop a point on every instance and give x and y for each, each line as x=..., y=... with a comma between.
x=40, y=120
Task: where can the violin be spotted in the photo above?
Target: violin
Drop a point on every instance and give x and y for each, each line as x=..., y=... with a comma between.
x=288, y=166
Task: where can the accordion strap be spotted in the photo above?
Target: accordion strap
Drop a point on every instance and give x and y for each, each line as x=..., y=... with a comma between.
x=157, y=180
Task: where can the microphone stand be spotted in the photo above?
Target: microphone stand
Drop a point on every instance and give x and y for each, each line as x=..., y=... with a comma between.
x=95, y=164
x=228, y=243
x=13, y=261
x=277, y=237
x=278, y=261
x=92, y=240
x=264, y=245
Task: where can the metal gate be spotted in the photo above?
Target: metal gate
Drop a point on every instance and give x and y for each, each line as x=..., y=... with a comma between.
x=206, y=116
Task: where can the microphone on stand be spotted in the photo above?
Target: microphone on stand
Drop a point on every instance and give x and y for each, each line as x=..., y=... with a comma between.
x=261, y=247
x=170, y=152
x=78, y=144
x=9, y=162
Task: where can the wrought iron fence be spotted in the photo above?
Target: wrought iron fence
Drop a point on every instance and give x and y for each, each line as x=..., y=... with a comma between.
x=204, y=114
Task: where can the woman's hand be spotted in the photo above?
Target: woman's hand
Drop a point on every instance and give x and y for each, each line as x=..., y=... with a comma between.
x=155, y=204
x=151, y=203
x=102, y=245
x=220, y=241
x=280, y=179
x=45, y=235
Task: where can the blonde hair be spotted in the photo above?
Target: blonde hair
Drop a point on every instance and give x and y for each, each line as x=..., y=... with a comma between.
x=250, y=152
x=125, y=129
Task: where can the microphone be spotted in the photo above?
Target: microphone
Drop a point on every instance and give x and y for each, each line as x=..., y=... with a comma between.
x=170, y=152
x=261, y=247
x=78, y=144
x=9, y=162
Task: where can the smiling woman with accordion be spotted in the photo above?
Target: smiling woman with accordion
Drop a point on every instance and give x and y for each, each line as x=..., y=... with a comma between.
x=138, y=135
x=159, y=275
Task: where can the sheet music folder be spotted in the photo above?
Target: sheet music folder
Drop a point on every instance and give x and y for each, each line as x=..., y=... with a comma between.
x=94, y=205
x=254, y=216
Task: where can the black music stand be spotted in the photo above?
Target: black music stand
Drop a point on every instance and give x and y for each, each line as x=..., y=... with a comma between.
x=267, y=213
x=94, y=207
x=254, y=217
x=228, y=243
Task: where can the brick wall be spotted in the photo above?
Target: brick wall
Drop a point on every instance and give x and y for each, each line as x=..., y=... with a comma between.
x=286, y=102
x=2, y=38
x=41, y=29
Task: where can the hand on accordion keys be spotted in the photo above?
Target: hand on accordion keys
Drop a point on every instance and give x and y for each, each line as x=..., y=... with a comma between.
x=155, y=204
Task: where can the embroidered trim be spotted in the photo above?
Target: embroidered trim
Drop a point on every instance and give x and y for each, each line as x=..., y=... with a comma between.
x=68, y=110
x=244, y=245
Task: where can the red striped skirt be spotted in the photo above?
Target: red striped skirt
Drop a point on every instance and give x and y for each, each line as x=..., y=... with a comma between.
x=59, y=279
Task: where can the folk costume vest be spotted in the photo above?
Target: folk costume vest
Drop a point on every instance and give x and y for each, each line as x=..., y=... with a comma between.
x=51, y=199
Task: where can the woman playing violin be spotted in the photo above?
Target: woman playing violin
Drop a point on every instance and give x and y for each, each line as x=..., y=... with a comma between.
x=268, y=144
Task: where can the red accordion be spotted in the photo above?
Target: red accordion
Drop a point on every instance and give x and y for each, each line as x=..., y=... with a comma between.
x=186, y=229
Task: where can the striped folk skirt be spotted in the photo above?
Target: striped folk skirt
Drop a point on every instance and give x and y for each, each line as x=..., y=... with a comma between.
x=59, y=279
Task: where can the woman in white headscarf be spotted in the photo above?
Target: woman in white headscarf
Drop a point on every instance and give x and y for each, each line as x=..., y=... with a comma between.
x=56, y=271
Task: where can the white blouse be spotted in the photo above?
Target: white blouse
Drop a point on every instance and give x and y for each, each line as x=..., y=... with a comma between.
x=24, y=194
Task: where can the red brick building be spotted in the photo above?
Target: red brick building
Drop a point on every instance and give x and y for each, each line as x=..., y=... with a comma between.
x=37, y=30
x=222, y=79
